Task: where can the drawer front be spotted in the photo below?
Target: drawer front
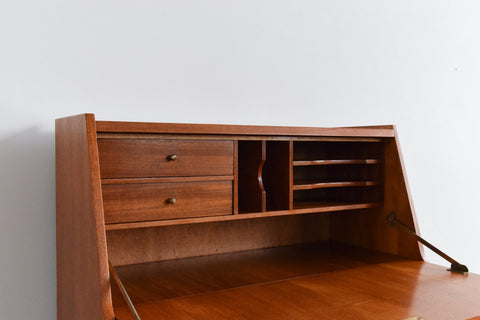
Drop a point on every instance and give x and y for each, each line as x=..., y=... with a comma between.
x=154, y=201
x=140, y=158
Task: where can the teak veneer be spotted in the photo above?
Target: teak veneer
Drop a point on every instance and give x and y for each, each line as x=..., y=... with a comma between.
x=241, y=222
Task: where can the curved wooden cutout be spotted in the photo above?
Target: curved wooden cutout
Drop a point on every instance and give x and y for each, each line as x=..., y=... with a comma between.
x=261, y=186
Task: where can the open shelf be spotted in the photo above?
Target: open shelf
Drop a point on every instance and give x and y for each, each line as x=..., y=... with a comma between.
x=343, y=172
x=324, y=206
x=299, y=163
x=306, y=185
x=300, y=207
x=335, y=150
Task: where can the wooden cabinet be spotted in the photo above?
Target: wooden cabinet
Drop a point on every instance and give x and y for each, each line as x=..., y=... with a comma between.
x=187, y=213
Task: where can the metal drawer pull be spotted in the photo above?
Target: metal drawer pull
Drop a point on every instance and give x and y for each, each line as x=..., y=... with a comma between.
x=172, y=157
x=171, y=200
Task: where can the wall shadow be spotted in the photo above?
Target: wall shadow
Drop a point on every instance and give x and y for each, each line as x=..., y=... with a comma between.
x=27, y=225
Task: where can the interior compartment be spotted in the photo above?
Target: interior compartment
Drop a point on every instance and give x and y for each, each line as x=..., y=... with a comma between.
x=263, y=175
x=337, y=150
x=276, y=175
x=336, y=196
x=337, y=172
x=251, y=192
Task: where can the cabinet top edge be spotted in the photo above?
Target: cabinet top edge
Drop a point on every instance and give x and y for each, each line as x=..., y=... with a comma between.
x=222, y=129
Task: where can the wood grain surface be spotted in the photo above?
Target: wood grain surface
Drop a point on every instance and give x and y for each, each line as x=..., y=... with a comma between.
x=137, y=158
x=131, y=246
x=187, y=128
x=372, y=230
x=83, y=287
x=144, y=202
x=315, y=281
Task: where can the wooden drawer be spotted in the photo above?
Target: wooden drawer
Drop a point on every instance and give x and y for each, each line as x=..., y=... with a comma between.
x=137, y=158
x=150, y=201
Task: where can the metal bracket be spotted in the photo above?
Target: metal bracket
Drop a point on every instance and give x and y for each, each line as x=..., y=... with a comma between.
x=116, y=278
x=455, y=265
x=458, y=268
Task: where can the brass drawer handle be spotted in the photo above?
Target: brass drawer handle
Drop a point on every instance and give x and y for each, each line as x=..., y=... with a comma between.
x=171, y=200
x=172, y=157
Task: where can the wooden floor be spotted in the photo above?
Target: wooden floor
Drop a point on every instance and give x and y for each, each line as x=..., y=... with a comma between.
x=317, y=281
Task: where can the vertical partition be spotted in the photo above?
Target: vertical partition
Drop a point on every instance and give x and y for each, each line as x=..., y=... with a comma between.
x=251, y=192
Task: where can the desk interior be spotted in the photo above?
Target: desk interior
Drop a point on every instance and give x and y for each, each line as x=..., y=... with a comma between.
x=323, y=280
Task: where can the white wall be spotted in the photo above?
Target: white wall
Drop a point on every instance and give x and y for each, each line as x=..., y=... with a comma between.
x=308, y=63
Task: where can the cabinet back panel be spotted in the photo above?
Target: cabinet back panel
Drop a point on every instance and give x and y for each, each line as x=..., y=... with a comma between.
x=181, y=241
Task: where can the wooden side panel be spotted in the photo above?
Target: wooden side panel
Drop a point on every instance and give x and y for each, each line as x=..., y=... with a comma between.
x=180, y=241
x=370, y=228
x=83, y=286
x=399, y=199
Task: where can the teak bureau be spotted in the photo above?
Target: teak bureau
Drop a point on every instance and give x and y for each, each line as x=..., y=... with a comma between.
x=241, y=222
